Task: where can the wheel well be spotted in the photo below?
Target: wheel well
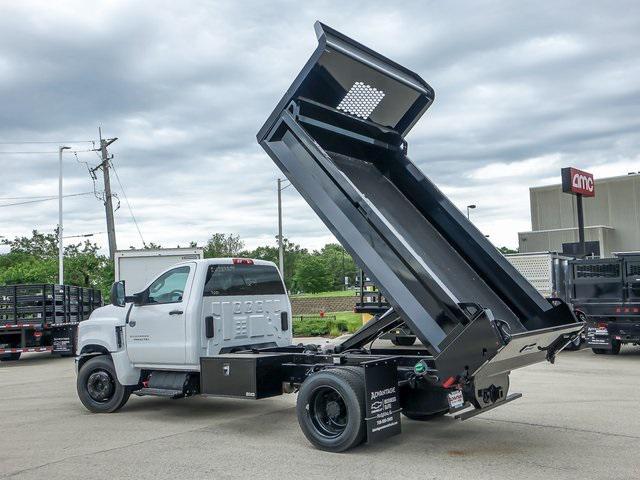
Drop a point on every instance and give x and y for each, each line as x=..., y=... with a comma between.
x=90, y=351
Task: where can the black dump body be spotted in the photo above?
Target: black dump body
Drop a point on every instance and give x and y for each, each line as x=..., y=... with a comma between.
x=607, y=291
x=339, y=137
x=605, y=281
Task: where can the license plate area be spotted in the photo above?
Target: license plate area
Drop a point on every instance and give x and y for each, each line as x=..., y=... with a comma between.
x=455, y=399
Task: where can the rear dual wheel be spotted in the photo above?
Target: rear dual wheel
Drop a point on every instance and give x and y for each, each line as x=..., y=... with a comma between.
x=331, y=409
x=616, y=345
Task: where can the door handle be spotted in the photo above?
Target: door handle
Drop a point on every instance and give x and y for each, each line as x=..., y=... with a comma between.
x=176, y=312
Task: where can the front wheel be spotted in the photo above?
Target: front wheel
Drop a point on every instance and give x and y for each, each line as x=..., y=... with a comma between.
x=98, y=387
x=331, y=409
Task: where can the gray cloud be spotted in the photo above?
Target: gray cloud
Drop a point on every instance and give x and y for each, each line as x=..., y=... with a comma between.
x=521, y=90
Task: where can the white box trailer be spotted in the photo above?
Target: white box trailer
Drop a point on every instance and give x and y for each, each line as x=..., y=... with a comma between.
x=546, y=271
x=138, y=267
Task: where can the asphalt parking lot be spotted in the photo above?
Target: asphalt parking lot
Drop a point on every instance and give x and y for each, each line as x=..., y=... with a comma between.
x=578, y=419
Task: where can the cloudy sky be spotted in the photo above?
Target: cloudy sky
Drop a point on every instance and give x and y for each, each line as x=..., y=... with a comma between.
x=522, y=89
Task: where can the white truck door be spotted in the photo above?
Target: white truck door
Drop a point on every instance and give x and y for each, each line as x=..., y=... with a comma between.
x=156, y=329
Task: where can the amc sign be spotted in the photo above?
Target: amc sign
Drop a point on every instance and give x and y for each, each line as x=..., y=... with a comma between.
x=576, y=181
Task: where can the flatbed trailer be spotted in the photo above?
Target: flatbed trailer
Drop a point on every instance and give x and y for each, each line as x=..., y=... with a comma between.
x=42, y=318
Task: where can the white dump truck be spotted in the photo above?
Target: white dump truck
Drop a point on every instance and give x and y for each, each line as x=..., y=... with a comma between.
x=338, y=135
x=152, y=341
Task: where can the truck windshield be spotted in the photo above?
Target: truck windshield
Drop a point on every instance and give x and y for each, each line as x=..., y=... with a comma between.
x=223, y=280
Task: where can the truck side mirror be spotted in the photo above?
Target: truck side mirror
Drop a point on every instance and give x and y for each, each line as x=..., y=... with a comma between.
x=117, y=294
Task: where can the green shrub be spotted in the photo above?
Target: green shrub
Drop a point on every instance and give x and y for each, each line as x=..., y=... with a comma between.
x=319, y=327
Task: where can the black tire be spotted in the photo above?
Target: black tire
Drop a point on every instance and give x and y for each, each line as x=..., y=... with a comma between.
x=331, y=409
x=403, y=341
x=10, y=357
x=616, y=345
x=98, y=387
x=424, y=417
x=599, y=351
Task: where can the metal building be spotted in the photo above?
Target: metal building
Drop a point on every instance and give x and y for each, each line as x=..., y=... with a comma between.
x=611, y=218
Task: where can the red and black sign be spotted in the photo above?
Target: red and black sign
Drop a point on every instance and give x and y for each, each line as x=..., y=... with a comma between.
x=576, y=181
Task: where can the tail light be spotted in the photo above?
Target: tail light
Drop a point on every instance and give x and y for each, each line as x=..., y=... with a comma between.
x=242, y=261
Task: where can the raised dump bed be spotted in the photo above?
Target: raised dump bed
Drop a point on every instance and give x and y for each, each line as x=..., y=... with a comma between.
x=338, y=135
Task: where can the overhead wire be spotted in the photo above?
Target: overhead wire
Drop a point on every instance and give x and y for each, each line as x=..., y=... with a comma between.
x=41, y=142
x=45, y=199
x=38, y=153
x=126, y=199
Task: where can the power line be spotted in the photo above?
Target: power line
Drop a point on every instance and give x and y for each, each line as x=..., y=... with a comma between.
x=39, y=142
x=31, y=197
x=45, y=199
x=40, y=153
x=126, y=199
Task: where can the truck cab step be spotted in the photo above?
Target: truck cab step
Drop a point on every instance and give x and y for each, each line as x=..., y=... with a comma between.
x=159, y=392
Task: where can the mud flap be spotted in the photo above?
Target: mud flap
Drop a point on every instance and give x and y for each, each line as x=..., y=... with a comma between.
x=64, y=340
x=382, y=414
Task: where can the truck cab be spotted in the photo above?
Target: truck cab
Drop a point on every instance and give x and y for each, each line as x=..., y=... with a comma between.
x=191, y=310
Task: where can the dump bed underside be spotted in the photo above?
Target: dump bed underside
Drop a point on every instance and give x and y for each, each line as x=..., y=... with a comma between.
x=430, y=247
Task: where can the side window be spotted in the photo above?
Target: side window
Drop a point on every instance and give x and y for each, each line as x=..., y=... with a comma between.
x=169, y=287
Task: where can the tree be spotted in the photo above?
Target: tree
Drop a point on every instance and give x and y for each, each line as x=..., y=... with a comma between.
x=222, y=245
x=40, y=245
x=35, y=260
x=292, y=255
x=311, y=275
x=507, y=250
x=339, y=264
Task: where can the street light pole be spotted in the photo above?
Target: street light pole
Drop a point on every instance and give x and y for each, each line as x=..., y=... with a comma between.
x=469, y=207
x=60, y=242
x=280, y=250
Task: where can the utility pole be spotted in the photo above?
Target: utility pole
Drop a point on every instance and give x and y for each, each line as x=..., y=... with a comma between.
x=108, y=204
x=60, y=241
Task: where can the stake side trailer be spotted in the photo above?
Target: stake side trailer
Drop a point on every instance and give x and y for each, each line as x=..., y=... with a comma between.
x=338, y=134
x=43, y=318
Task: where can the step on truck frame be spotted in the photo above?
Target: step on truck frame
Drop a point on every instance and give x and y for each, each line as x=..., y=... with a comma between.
x=338, y=135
